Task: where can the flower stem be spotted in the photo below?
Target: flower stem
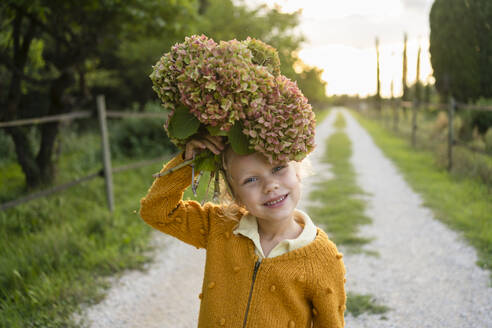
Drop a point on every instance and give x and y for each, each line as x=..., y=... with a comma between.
x=171, y=170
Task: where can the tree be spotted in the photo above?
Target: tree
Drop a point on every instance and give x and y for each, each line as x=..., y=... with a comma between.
x=405, y=95
x=418, y=84
x=224, y=20
x=312, y=85
x=378, y=79
x=461, y=48
x=48, y=47
x=122, y=72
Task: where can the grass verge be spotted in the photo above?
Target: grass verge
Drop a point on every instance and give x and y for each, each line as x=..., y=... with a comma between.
x=341, y=212
x=432, y=135
x=358, y=304
x=321, y=114
x=462, y=203
x=55, y=252
x=337, y=207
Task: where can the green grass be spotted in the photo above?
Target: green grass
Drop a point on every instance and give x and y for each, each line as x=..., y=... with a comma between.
x=463, y=203
x=11, y=181
x=338, y=209
x=56, y=251
x=321, y=115
x=466, y=163
x=358, y=304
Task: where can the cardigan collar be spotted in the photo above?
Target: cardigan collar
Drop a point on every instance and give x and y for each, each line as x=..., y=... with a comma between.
x=248, y=227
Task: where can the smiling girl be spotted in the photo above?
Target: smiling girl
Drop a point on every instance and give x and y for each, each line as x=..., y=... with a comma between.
x=267, y=264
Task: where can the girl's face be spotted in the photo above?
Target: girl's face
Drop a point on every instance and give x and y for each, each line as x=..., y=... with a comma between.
x=269, y=192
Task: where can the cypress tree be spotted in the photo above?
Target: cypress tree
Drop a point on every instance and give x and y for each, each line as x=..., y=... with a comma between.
x=461, y=48
x=404, y=75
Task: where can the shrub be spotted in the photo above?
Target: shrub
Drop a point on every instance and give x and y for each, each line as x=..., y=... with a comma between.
x=477, y=141
x=488, y=139
x=6, y=148
x=457, y=126
x=482, y=120
x=139, y=137
x=441, y=123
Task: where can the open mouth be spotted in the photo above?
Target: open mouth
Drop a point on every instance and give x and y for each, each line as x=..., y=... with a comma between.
x=276, y=201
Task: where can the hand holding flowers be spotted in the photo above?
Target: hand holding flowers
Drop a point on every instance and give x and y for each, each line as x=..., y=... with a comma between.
x=213, y=143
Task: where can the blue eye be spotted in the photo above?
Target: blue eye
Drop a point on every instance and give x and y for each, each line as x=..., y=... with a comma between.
x=278, y=168
x=248, y=180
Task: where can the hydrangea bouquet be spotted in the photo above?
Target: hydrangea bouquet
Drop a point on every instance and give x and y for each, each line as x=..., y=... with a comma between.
x=233, y=89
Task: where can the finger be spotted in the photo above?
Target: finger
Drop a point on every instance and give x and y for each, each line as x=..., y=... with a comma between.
x=211, y=147
x=216, y=140
x=188, y=152
x=192, y=148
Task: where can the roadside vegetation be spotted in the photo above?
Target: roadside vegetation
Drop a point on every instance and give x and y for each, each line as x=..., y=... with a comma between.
x=358, y=304
x=470, y=130
x=337, y=206
x=56, y=251
x=322, y=114
x=340, y=210
x=461, y=200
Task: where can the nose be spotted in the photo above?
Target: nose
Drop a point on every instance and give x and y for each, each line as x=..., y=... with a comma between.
x=270, y=185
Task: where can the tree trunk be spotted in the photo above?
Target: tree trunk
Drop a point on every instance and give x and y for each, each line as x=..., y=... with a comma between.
x=25, y=156
x=49, y=131
x=23, y=149
x=44, y=159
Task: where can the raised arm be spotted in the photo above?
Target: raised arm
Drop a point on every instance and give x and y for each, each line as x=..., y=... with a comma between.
x=164, y=209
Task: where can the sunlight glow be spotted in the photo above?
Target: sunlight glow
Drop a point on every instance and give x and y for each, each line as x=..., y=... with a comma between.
x=341, y=35
x=315, y=9
x=349, y=70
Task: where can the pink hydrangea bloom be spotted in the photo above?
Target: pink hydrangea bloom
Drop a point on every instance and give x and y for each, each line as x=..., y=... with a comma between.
x=222, y=83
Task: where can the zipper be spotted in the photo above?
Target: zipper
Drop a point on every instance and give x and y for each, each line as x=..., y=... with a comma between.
x=257, y=265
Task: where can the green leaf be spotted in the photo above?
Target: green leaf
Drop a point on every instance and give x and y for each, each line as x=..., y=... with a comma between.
x=239, y=141
x=216, y=131
x=207, y=163
x=182, y=124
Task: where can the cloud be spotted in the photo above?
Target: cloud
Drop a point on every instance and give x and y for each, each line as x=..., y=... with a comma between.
x=360, y=31
x=417, y=5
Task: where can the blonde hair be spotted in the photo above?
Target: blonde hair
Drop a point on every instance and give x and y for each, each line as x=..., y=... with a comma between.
x=231, y=206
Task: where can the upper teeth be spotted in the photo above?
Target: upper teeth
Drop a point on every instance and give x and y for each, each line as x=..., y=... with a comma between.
x=273, y=202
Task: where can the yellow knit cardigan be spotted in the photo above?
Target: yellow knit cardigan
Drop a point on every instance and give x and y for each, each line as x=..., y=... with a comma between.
x=301, y=288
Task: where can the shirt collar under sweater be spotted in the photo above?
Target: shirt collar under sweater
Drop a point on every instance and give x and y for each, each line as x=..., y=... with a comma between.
x=248, y=227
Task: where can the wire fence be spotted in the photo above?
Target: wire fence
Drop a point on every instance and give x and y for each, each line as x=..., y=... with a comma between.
x=107, y=170
x=451, y=107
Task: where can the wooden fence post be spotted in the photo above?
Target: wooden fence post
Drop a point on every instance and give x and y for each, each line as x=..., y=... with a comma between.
x=387, y=113
x=395, y=104
x=414, y=122
x=108, y=177
x=451, y=109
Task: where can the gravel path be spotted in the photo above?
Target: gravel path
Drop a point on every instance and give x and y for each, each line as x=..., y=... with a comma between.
x=427, y=282
x=164, y=295
x=426, y=273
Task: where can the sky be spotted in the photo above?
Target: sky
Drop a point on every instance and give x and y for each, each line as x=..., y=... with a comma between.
x=341, y=40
